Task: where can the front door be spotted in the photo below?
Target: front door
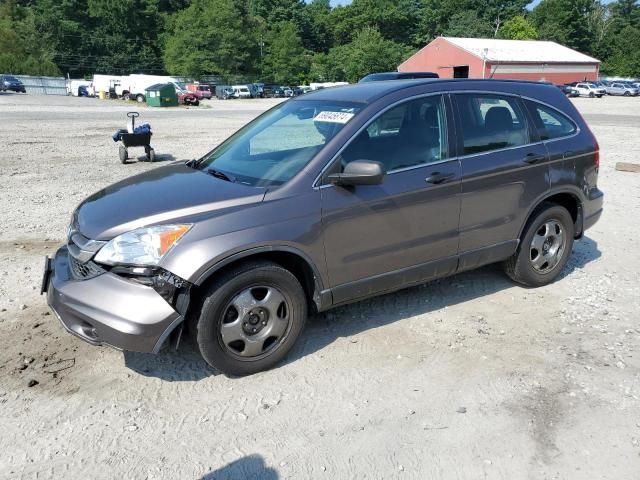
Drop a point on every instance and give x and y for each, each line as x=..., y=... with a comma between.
x=504, y=171
x=381, y=237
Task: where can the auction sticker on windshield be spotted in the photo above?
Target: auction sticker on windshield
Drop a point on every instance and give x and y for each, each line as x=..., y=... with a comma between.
x=333, y=117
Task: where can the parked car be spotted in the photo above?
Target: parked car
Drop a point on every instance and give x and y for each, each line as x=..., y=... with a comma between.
x=297, y=91
x=185, y=97
x=327, y=199
x=619, y=88
x=224, y=92
x=589, y=90
x=199, y=90
x=288, y=92
x=9, y=82
x=376, y=77
x=277, y=92
x=569, y=90
x=241, y=91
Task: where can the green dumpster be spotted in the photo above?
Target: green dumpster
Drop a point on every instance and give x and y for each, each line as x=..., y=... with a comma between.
x=161, y=95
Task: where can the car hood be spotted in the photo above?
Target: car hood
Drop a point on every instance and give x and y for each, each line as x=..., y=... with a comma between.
x=173, y=193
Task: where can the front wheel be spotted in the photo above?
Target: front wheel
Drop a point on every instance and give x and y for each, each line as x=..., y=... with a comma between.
x=250, y=318
x=545, y=247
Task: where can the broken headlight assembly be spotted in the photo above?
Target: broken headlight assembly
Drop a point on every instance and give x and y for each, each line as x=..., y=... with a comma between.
x=135, y=255
x=172, y=288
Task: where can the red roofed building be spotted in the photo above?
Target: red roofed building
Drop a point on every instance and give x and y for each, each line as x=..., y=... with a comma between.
x=508, y=59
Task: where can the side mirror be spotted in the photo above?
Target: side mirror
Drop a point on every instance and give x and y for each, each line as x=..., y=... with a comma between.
x=359, y=172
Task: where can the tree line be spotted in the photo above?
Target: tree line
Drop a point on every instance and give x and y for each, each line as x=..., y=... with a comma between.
x=291, y=41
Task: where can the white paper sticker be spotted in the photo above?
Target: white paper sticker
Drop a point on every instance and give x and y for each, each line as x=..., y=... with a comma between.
x=333, y=117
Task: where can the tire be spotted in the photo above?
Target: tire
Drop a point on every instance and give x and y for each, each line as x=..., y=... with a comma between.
x=140, y=98
x=124, y=155
x=627, y=94
x=223, y=332
x=527, y=265
x=591, y=95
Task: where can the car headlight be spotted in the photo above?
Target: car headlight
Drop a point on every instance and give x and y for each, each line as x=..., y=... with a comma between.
x=143, y=246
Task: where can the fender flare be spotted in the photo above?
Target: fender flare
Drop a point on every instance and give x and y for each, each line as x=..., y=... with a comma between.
x=321, y=297
x=574, y=192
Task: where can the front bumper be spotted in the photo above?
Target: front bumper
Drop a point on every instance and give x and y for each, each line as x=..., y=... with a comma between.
x=107, y=309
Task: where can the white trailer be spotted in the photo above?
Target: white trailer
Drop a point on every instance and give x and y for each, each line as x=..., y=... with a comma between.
x=104, y=83
x=74, y=85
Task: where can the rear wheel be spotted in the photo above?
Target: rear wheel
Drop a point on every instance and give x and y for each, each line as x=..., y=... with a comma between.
x=140, y=98
x=250, y=318
x=545, y=247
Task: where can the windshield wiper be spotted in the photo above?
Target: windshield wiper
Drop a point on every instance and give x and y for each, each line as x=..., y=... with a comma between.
x=221, y=175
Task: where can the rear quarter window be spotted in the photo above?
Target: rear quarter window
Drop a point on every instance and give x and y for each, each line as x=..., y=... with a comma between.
x=550, y=123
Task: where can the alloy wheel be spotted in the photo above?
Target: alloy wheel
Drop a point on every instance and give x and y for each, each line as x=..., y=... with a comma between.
x=547, y=246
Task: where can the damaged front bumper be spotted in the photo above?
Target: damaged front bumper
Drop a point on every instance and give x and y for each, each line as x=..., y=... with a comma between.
x=107, y=309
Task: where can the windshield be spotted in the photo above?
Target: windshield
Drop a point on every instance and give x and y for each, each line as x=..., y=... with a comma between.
x=180, y=86
x=278, y=144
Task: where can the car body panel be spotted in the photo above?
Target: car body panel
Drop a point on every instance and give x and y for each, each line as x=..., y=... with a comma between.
x=383, y=228
x=170, y=193
x=109, y=310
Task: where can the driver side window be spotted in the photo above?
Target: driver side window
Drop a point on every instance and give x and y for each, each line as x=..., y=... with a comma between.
x=412, y=133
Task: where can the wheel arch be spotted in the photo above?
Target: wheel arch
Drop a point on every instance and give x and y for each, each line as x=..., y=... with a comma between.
x=290, y=258
x=566, y=198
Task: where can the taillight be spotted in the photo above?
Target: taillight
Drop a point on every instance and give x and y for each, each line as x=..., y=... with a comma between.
x=596, y=153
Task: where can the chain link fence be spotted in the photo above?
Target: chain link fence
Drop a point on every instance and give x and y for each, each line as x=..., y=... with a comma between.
x=44, y=85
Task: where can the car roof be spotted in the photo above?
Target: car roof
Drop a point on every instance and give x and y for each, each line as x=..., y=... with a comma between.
x=397, y=76
x=369, y=92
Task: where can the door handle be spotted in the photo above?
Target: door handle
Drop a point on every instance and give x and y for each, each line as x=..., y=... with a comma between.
x=568, y=154
x=438, y=178
x=533, y=158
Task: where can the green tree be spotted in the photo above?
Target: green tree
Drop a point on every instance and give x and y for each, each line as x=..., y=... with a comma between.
x=468, y=24
x=467, y=18
x=567, y=22
x=518, y=28
x=394, y=19
x=21, y=48
x=286, y=60
x=211, y=37
x=625, y=58
x=316, y=26
x=369, y=52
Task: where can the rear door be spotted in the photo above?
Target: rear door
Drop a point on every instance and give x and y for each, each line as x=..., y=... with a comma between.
x=381, y=237
x=504, y=170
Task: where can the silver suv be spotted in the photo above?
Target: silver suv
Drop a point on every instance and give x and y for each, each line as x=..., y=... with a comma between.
x=618, y=88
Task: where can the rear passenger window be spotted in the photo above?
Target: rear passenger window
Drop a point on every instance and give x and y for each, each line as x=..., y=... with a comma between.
x=491, y=122
x=551, y=123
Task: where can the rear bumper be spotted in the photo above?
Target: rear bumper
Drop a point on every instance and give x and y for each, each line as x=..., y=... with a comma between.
x=592, y=209
x=108, y=310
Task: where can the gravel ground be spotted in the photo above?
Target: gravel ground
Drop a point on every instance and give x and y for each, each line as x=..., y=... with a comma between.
x=466, y=377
